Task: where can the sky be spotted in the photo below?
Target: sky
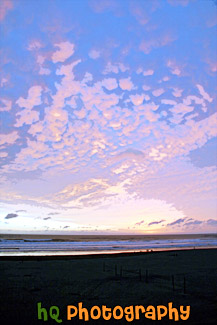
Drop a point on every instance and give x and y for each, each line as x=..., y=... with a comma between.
x=108, y=116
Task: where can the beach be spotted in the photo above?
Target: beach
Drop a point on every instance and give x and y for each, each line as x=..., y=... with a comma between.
x=49, y=245
x=183, y=277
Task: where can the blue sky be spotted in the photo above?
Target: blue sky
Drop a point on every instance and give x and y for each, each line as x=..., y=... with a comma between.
x=108, y=116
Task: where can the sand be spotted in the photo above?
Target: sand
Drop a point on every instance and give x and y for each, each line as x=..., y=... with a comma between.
x=97, y=280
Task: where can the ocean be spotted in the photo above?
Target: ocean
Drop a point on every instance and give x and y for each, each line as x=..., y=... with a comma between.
x=48, y=245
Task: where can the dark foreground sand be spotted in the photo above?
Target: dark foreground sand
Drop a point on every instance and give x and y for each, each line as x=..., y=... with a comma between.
x=63, y=281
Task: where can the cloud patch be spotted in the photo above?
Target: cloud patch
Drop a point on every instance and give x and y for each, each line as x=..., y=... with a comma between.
x=176, y=222
x=155, y=222
x=11, y=215
x=139, y=223
x=66, y=49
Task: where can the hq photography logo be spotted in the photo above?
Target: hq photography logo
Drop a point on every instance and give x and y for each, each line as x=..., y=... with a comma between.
x=130, y=313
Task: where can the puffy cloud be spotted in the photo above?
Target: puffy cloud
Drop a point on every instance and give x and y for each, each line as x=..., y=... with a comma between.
x=158, y=92
x=110, y=83
x=177, y=92
x=150, y=106
x=111, y=68
x=42, y=70
x=114, y=68
x=11, y=215
x=182, y=108
x=33, y=99
x=66, y=49
x=189, y=99
x=137, y=99
x=126, y=84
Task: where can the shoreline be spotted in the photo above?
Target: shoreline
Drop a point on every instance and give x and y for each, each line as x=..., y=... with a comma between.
x=87, y=255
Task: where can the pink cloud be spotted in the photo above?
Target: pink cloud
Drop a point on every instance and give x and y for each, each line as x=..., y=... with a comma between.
x=177, y=92
x=115, y=68
x=110, y=83
x=42, y=70
x=36, y=128
x=80, y=113
x=158, y=92
x=168, y=102
x=9, y=138
x=204, y=94
x=27, y=117
x=189, y=99
x=182, y=108
x=66, y=49
x=111, y=68
x=126, y=84
x=137, y=99
x=33, y=99
x=7, y=104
